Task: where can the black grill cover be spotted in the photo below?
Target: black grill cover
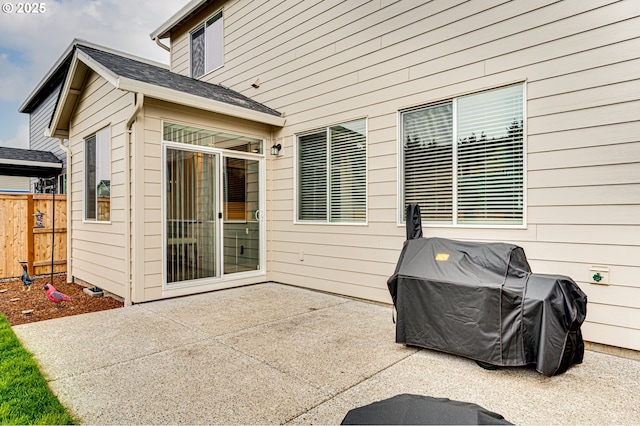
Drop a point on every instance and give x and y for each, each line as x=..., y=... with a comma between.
x=414, y=221
x=481, y=301
x=409, y=409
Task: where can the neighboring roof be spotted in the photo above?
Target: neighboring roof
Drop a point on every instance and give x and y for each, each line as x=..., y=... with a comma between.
x=132, y=75
x=56, y=75
x=28, y=162
x=190, y=9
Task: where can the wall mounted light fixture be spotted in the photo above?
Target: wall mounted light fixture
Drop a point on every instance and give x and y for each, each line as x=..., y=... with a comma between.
x=275, y=149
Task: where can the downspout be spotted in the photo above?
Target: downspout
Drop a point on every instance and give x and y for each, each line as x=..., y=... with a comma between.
x=164, y=46
x=67, y=150
x=139, y=100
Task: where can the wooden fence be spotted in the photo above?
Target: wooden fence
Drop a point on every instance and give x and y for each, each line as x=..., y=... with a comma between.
x=22, y=240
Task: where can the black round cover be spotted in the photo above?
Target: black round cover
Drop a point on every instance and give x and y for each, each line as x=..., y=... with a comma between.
x=409, y=409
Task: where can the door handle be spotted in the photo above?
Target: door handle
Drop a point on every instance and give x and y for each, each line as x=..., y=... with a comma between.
x=256, y=215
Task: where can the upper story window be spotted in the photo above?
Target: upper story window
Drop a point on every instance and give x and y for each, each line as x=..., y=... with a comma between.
x=332, y=174
x=97, y=176
x=207, y=46
x=463, y=159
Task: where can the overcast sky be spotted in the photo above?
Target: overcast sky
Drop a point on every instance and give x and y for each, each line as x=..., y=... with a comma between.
x=31, y=43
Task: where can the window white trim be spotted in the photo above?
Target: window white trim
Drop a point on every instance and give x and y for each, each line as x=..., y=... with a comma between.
x=296, y=170
x=206, y=59
x=95, y=134
x=401, y=172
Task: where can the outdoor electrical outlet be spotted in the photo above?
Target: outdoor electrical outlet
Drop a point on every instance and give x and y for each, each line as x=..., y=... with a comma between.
x=599, y=275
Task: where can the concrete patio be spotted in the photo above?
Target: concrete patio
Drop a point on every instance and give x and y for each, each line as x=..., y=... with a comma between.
x=274, y=354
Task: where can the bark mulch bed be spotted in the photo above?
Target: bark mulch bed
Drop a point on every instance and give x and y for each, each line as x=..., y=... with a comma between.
x=36, y=299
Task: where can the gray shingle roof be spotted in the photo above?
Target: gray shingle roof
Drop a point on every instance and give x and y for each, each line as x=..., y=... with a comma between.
x=28, y=162
x=140, y=71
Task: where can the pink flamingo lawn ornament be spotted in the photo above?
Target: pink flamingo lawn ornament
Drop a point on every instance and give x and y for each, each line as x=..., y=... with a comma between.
x=54, y=295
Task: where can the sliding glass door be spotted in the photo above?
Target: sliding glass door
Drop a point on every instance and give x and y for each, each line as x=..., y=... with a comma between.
x=213, y=193
x=241, y=226
x=191, y=185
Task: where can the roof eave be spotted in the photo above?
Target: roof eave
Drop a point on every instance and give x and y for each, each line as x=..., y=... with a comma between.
x=65, y=55
x=174, y=96
x=31, y=163
x=147, y=89
x=53, y=70
x=52, y=131
x=163, y=30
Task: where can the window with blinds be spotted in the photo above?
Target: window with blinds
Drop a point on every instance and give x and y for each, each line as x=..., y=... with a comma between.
x=207, y=46
x=485, y=164
x=332, y=175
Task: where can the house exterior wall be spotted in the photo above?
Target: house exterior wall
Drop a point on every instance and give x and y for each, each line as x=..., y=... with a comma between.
x=14, y=183
x=98, y=249
x=328, y=62
x=147, y=193
x=39, y=121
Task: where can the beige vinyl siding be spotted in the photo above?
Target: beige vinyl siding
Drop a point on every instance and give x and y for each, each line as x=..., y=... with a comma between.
x=180, y=56
x=98, y=249
x=328, y=62
x=14, y=183
x=149, y=173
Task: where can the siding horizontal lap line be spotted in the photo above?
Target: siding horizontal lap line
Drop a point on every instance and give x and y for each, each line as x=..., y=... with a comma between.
x=619, y=113
x=447, y=55
x=577, y=81
x=362, y=283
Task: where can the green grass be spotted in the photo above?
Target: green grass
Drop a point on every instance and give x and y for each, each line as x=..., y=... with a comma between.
x=25, y=397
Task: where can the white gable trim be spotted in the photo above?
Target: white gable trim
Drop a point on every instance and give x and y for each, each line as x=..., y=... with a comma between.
x=64, y=57
x=152, y=91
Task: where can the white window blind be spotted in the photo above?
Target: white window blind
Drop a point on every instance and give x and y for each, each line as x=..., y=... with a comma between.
x=428, y=162
x=485, y=165
x=490, y=157
x=214, y=42
x=348, y=172
x=312, y=176
x=332, y=174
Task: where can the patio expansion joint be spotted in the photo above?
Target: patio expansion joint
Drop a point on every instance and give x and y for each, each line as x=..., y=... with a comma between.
x=353, y=385
x=219, y=339
x=206, y=335
x=125, y=361
x=216, y=336
x=274, y=321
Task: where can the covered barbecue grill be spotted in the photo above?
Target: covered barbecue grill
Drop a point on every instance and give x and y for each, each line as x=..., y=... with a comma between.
x=481, y=301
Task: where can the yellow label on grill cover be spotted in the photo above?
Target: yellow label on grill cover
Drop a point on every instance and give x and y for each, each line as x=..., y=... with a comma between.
x=442, y=257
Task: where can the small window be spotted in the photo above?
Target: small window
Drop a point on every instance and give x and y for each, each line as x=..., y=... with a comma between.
x=62, y=184
x=97, y=176
x=332, y=174
x=463, y=159
x=207, y=46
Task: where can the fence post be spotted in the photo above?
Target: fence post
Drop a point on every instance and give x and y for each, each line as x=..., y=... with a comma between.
x=30, y=238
